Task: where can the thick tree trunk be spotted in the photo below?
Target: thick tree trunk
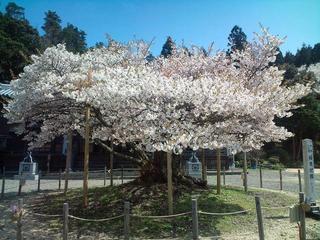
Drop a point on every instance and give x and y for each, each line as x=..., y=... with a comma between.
x=68, y=162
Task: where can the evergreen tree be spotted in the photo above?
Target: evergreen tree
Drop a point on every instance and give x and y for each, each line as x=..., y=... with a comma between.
x=168, y=47
x=74, y=39
x=14, y=11
x=289, y=58
x=303, y=56
x=18, y=40
x=316, y=53
x=52, y=29
x=280, y=58
x=237, y=39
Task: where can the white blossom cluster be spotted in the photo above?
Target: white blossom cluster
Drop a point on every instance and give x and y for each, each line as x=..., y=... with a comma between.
x=190, y=99
x=315, y=69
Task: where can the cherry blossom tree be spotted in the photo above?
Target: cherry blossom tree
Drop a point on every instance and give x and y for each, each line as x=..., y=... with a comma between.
x=196, y=100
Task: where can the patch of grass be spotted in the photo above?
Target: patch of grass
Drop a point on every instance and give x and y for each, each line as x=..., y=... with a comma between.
x=108, y=201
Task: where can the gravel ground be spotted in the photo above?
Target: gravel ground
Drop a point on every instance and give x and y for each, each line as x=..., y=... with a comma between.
x=271, y=180
x=276, y=227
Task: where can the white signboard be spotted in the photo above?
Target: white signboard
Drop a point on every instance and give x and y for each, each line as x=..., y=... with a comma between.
x=308, y=165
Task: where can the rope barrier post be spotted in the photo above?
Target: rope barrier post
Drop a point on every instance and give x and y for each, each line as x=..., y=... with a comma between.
x=60, y=179
x=19, y=221
x=261, y=184
x=224, y=176
x=39, y=179
x=259, y=218
x=126, y=229
x=195, y=225
x=121, y=174
x=3, y=182
x=105, y=175
x=302, y=217
x=20, y=184
x=245, y=172
x=65, y=220
x=280, y=174
x=299, y=178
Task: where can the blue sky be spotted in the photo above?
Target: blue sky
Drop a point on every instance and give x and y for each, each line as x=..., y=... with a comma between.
x=197, y=22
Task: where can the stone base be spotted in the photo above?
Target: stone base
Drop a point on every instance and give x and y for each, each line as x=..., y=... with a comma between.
x=27, y=177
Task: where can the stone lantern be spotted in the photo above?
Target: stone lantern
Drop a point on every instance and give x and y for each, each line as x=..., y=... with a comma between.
x=27, y=169
x=194, y=167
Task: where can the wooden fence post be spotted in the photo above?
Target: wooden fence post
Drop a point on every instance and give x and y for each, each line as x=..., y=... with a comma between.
x=224, y=176
x=65, y=221
x=259, y=218
x=19, y=221
x=245, y=171
x=261, y=184
x=121, y=174
x=60, y=179
x=3, y=182
x=126, y=220
x=299, y=178
x=105, y=175
x=280, y=174
x=39, y=179
x=195, y=225
x=302, y=217
x=20, y=184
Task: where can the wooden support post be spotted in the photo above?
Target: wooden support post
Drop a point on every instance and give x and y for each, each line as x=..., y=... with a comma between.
x=105, y=176
x=259, y=218
x=86, y=158
x=280, y=174
x=20, y=184
x=3, y=182
x=169, y=182
x=65, y=221
x=111, y=164
x=299, y=178
x=126, y=229
x=19, y=221
x=261, y=184
x=245, y=170
x=121, y=174
x=302, y=217
x=224, y=176
x=218, y=171
x=68, y=162
x=60, y=179
x=39, y=180
x=195, y=225
x=204, y=165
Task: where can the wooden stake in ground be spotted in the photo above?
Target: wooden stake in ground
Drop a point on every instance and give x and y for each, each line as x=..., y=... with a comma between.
x=245, y=176
x=68, y=162
x=204, y=165
x=218, y=171
x=86, y=150
x=111, y=164
x=169, y=180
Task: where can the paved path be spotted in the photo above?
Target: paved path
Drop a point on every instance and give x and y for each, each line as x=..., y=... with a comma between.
x=271, y=180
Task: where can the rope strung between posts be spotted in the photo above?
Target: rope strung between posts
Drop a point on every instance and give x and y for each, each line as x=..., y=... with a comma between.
x=271, y=208
x=163, y=216
x=224, y=214
x=41, y=214
x=95, y=220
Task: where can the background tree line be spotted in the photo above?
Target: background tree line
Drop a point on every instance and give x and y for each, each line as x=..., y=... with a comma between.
x=19, y=40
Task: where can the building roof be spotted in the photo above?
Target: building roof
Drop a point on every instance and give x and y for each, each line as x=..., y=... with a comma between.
x=5, y=90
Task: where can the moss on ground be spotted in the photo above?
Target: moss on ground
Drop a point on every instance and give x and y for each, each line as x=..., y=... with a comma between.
x=108, y=201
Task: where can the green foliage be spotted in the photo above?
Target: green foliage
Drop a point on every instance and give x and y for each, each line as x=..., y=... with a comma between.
x=14, y=11
x=168, y=47
x=18, y=40
x=74, y=39
x=52, y=29
x=237, y=39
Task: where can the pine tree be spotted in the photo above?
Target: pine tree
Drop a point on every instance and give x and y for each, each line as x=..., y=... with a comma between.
x=52, y=29
x=168, y=47
x=14, y=11
x=237, y=39
x=74, y=38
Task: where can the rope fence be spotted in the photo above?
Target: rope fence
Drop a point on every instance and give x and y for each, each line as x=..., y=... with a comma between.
x=126, y=216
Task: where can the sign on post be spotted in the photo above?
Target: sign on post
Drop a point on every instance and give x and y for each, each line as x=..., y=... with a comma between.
x=308, y=165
